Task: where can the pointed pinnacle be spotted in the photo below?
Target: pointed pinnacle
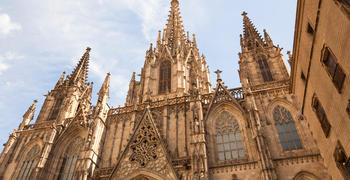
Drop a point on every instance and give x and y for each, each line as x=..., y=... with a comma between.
x=60, y=80
x=174, y=3
x=250, y=32
x=30, y=112
x=80, y=71
x=105, y=86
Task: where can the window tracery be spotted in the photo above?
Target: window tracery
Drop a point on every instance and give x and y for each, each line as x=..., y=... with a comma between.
x=144, y=146
x=164, y=77
x=29, y=163
x=228, y=138
x=286, y=129
x=69, y=159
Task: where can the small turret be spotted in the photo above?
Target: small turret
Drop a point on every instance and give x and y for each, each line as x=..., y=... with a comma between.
x=103, y=95
x=28, y=116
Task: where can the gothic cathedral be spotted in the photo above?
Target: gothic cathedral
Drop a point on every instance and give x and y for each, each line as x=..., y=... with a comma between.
x=174, y=125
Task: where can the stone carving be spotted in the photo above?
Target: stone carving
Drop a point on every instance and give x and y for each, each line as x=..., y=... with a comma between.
x=145, y=144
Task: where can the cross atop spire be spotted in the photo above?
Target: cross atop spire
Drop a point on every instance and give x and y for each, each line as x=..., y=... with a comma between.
x=218, y=73
x=80, y=72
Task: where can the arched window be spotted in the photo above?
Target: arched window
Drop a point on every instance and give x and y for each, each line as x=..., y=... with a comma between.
x=29, y=163
x=286, y=129
x=228, y=138
x=69, y=159
x=165, y=77
x=264, y=68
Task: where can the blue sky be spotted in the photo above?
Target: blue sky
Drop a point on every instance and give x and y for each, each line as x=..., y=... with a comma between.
x=41, y=39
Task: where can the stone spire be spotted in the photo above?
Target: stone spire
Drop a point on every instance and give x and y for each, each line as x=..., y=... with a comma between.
x=105, y=86
x=81, y=70
x=174, y=32
x=251, y=37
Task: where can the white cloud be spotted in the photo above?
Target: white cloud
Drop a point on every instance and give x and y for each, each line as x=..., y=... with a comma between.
x=151, y=13
x=3, y=66
x=6, y=59
x=6, y=26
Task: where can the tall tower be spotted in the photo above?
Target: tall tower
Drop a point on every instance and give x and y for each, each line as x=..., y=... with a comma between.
x=64, y=141
x=172, y=67
x=261, y=62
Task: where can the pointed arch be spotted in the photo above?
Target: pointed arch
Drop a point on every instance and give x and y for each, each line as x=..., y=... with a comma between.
x=29, y=162
x=164, y=77
x=285, y=126
x=304, y=175
x=69, y=159
x=228, y=138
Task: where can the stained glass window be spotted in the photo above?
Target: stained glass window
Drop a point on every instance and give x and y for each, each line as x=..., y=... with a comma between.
x=286, y=129
x=228, y=138
x=29, y=163
x=165, y=77
x=69, y=159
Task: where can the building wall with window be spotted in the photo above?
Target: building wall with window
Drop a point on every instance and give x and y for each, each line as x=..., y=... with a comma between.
x=320, y=77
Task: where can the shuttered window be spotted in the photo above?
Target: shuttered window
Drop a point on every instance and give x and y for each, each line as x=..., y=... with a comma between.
x=334, y=70
x=321, y=115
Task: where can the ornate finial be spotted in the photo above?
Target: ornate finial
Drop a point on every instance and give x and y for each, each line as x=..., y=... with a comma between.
x=244, y=13
x=218, y=72
x=174, y=2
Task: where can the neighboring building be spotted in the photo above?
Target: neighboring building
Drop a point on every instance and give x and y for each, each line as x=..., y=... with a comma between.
x=173, y=124
x=320, y=78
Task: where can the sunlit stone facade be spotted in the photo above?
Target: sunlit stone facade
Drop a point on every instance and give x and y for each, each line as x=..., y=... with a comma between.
x=174, y=125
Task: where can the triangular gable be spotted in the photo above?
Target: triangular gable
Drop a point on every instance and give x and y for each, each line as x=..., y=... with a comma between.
x=222, y=95
x=145, y=154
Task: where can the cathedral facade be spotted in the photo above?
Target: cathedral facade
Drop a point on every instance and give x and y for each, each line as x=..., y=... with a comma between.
x=174, y=125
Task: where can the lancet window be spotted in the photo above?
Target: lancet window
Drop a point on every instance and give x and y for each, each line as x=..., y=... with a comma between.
x=228, y=138
x=56, y=109
x=286, y=129
x=264, y=68
x=165, y=77
x=69, y=159
x=30, y=161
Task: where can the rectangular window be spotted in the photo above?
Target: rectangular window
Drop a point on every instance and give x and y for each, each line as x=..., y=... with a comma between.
x=342, y=160
x=333, y=68
x=321, y=115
